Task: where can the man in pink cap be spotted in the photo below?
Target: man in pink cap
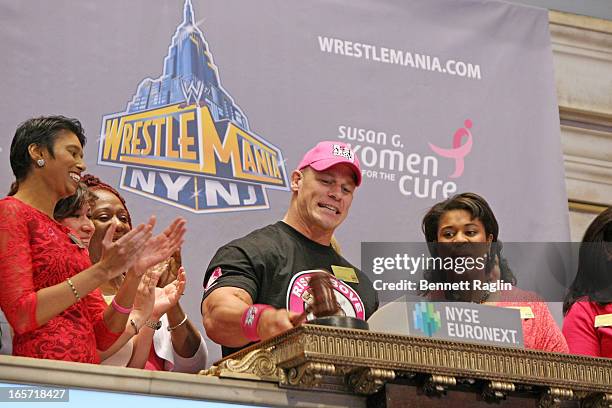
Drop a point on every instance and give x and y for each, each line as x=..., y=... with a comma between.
x=254, y=285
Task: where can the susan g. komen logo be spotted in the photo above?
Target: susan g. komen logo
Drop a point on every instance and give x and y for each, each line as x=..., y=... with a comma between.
x=184, y=141
x=459, y=150
x=426, y=318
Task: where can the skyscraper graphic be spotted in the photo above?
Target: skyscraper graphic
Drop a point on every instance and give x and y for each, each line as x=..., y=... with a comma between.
x=189, y=76
x=183, y=141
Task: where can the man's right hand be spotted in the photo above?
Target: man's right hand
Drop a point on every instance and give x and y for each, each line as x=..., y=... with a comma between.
x=275, y=321
x=222, y=312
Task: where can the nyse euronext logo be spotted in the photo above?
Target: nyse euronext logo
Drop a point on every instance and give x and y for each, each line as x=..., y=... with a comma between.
x=426, y=318
x=183, y=141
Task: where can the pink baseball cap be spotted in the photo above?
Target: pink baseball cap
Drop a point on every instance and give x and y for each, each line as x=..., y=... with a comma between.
x=327, y=154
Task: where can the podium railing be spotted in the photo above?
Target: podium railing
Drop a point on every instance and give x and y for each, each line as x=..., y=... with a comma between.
x=317, y=365
x=355, y=361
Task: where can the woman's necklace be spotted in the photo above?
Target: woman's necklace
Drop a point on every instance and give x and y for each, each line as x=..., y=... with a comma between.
x=484, y=297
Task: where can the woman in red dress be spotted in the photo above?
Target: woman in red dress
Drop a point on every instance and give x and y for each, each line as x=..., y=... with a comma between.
x=49, y=287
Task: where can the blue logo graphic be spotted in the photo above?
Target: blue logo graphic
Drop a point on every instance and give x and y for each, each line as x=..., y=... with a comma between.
x=426, y=318
x=184, y=141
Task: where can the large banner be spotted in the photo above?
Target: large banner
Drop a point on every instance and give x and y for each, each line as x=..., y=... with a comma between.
x=202, y=108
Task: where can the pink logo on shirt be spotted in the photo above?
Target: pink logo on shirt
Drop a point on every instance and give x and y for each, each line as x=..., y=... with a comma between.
x=215, y=275
x=459, y=151
x=299, y=295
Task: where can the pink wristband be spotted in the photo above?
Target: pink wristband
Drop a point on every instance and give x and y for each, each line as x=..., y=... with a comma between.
x=119, y=308
x=249, y=321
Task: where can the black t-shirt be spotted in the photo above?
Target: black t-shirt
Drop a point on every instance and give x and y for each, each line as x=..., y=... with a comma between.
x=274, y=264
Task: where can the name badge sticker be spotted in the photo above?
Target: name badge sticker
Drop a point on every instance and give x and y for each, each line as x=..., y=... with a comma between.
x=603, y=320
x=345, y=274
x=526, y=312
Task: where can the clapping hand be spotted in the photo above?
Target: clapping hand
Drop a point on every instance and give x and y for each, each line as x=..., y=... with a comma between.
x=169, y=269
x=145, y=298
x=160, y=247
x=169, y=295
x=120, y=255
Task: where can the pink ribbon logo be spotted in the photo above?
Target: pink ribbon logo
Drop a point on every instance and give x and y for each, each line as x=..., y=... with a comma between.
x=459, y=151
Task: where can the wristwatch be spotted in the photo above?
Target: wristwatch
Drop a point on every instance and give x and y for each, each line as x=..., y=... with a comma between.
x=154, y=325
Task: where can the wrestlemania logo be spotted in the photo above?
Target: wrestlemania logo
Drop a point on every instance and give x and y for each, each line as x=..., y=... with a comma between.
x=183, y=141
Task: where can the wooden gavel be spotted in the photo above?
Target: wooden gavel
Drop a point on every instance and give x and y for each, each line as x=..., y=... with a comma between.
x=325, y=307
x=322, y=289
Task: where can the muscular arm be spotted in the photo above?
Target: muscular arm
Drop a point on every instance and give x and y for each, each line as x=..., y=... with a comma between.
x=222, y=312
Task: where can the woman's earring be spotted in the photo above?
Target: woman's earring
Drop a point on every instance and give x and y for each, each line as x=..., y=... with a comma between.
x=40, y=162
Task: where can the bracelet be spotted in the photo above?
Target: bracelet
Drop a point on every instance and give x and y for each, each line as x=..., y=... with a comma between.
x=133, y=324
x=153, y=325
x=119, y=308
x=249, y=321
x=76, y=294
x=178, y=325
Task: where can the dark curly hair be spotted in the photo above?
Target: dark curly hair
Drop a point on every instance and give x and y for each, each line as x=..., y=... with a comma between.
x=479, y=209
x=94, y=183
x=594, y=276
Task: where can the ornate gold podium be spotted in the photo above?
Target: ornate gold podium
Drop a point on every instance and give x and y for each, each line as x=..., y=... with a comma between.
x=394, y=370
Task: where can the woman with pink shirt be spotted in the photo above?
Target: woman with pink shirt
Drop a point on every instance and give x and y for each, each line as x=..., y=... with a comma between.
x=464, y=225
x=588, y=304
